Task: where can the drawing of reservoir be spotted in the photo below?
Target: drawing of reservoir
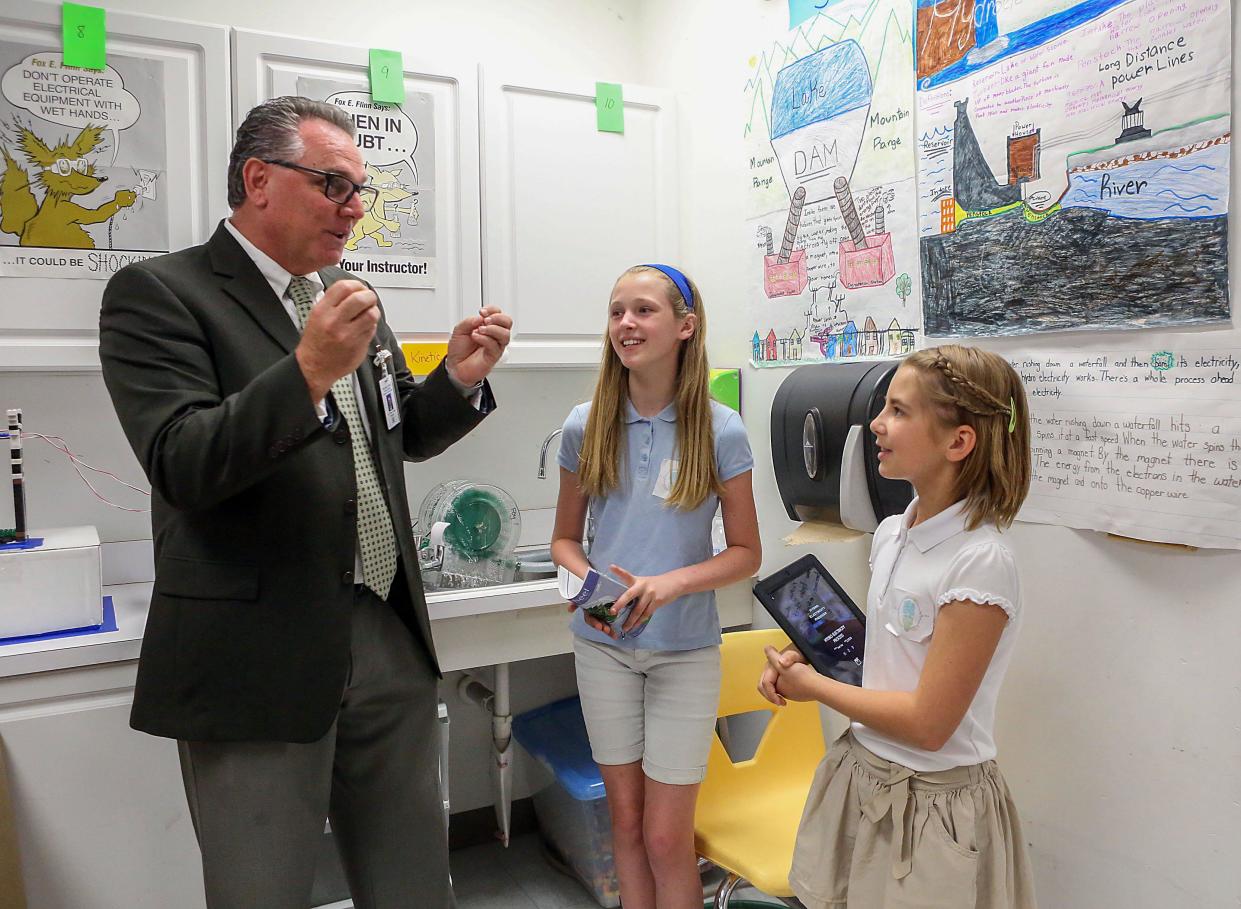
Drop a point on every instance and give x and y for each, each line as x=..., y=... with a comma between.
x=819, y=109
x=975, y=184
x=957, y=37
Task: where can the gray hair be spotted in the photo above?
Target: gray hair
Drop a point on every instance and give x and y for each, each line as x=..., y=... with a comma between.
x=270, y=131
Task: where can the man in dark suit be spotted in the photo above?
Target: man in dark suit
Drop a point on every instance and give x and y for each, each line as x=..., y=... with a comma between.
x=288, y=647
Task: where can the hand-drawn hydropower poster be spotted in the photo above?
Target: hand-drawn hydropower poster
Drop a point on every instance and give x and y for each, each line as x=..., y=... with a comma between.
x=1143, y=441
x=1073, y=163
x=832, y=207
x=394, y=243
x=83, y=162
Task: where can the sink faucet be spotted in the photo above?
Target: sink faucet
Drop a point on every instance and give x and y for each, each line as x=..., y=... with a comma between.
x=543, y=452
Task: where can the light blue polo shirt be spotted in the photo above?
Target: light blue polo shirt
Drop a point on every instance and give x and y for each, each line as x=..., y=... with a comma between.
x=635, y=529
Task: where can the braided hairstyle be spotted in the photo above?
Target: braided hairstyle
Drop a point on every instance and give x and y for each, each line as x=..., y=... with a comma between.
x=977, y=388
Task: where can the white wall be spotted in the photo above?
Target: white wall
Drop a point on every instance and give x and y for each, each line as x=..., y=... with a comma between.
x=1120, y=723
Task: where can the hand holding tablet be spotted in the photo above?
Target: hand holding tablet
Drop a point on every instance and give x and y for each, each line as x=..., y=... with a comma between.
x=818, y=616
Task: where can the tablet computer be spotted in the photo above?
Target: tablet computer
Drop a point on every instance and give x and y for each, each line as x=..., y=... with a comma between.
x=818, y=616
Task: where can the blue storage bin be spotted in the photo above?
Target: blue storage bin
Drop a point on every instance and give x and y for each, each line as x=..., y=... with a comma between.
x=573, y=811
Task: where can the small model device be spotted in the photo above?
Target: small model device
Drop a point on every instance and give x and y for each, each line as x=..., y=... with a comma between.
x=595, y=594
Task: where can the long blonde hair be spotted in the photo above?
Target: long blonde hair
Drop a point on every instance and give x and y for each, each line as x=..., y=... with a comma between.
x=977, y=388
x=600, y=457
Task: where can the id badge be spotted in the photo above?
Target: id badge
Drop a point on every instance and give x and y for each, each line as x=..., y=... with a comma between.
x=387, y=389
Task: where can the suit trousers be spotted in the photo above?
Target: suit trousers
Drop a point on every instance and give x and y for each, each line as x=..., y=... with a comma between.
x=259, y=807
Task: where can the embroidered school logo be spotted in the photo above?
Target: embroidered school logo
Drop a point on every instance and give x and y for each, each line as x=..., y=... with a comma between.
x=909, y=613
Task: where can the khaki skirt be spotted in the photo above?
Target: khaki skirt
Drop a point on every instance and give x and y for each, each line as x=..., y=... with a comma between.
x=877, y=835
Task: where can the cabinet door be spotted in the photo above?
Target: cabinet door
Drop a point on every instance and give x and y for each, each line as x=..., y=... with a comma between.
x=419, y=246
x=99, y=808
x=137, y=153
x=567, y=208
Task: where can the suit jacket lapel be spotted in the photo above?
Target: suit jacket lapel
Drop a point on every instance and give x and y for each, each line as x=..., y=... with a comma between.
x=243, y=281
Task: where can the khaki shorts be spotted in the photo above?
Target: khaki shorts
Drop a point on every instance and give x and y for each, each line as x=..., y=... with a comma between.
x=877, y=835
x=653, y=706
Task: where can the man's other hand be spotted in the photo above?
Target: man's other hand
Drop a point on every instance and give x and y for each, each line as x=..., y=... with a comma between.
x=477, y=343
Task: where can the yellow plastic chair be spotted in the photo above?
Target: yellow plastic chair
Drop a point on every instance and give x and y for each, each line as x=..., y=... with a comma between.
x=748, y=812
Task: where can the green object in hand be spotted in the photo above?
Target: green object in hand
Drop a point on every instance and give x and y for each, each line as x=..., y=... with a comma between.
x=602, y=612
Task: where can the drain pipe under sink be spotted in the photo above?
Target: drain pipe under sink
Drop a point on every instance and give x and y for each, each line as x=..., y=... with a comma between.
x=496, y=702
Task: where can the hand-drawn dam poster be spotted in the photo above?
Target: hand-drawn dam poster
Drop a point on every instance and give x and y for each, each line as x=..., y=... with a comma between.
x=1072, y=164
x=831, y=202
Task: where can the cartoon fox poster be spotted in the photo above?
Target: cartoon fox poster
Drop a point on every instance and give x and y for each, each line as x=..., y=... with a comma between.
x=394, y=243
x=82, y=165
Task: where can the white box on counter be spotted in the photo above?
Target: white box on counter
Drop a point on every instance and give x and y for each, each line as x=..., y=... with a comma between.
x=55, y=587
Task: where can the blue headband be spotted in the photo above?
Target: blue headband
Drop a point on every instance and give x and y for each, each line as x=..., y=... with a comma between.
x=676, y=278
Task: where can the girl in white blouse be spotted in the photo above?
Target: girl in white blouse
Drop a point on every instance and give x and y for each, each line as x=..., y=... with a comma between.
x=908, y=807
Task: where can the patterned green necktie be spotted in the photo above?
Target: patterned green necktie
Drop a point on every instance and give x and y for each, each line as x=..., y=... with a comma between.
x=375, y=536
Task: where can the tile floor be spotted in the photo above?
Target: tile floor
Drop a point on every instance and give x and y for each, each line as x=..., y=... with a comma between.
x=491, y=877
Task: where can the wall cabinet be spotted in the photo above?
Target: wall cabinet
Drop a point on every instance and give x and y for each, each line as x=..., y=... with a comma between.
x=567, y=208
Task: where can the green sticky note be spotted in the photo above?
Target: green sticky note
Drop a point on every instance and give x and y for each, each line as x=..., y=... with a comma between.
x=84, y=36
x=609, y=108
x=387, y=77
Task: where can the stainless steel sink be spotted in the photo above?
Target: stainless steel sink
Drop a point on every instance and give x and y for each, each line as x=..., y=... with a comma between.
x=534, y=563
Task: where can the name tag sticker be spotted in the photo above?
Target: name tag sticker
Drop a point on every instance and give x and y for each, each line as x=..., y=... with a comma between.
x=667, y=478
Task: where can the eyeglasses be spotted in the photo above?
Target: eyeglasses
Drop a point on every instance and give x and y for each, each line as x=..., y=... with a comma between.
x=66, y=166
x=337, y=187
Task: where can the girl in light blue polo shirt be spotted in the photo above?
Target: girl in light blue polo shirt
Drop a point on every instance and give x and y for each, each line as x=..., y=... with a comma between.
x=650, y=458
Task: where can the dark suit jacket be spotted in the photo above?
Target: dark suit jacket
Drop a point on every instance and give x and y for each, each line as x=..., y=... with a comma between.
x=253, y=499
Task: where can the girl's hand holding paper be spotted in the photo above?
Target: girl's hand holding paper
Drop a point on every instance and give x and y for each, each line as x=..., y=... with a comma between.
x=595, y=595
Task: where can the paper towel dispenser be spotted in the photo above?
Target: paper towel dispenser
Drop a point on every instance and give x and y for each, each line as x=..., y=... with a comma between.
x=824, y=454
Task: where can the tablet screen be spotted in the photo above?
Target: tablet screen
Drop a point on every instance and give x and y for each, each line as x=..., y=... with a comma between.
x=819, y=620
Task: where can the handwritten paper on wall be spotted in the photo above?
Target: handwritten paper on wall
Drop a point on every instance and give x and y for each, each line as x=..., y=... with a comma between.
x=1145, y=442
